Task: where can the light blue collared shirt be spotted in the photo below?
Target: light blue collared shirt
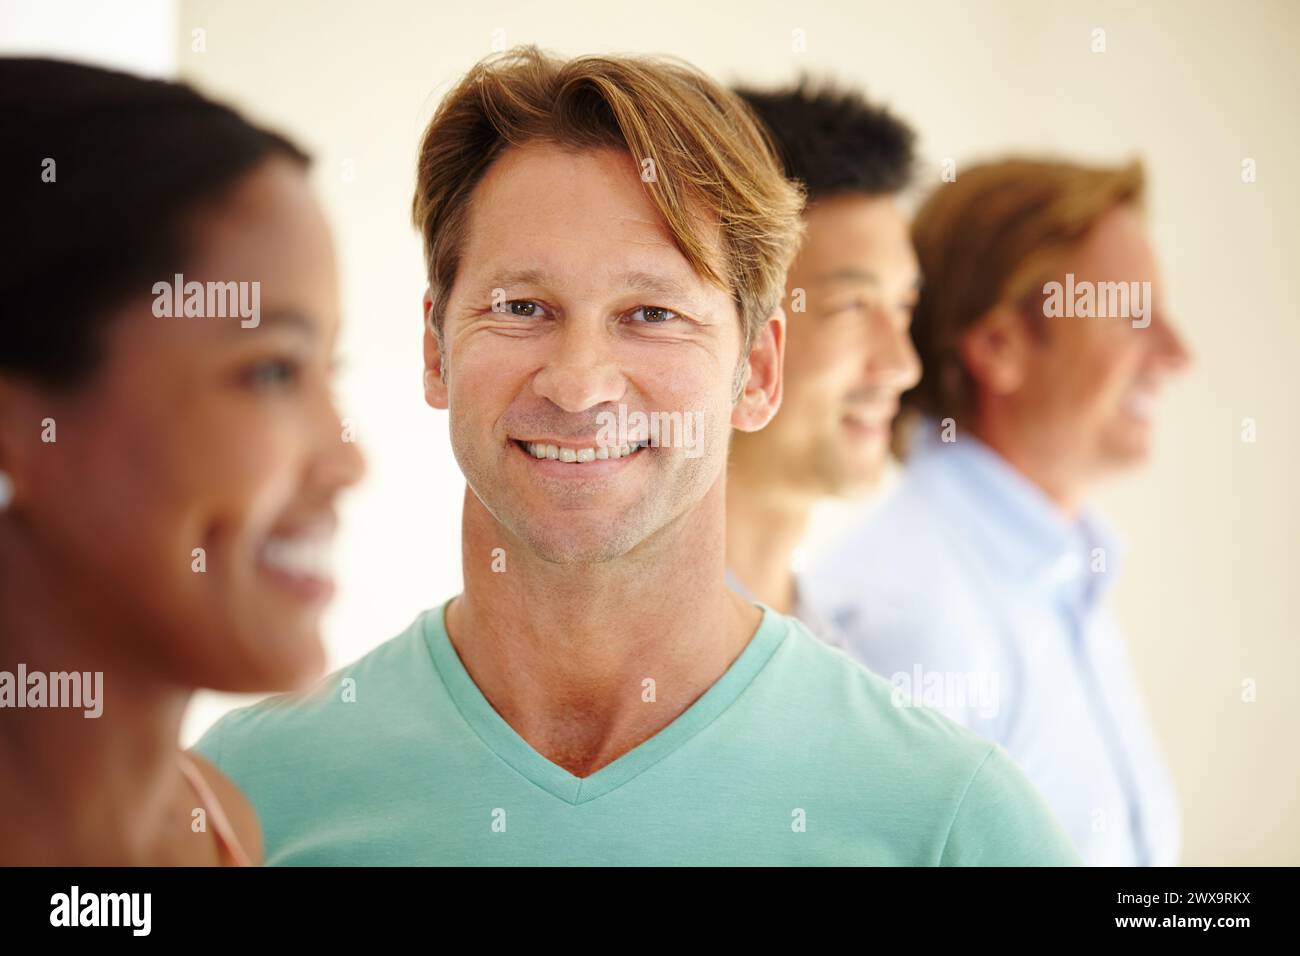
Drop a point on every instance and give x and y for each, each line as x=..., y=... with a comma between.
x=974, y=595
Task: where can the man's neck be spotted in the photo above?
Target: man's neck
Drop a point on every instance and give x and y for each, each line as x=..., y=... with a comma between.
x=1051, y=469
x=764, y=527
x=586, y=661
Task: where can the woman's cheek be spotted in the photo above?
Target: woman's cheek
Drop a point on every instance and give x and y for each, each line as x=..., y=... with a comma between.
x=255, y=469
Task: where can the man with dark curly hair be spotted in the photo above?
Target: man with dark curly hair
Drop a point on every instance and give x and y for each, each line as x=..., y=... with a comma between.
x=849, y=300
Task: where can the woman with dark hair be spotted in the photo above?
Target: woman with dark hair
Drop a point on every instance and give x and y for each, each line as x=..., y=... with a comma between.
x=170, y=455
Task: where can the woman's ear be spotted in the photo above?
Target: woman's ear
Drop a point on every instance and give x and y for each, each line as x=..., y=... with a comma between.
x=996, y=350
x=761, y=376
x=435, y=366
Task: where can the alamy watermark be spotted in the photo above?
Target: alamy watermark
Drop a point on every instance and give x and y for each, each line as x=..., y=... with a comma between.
x=59, y=689
x=946, y=691
x=660, y=429
x=1102, y=300
x=130, y=910
x=209, y=300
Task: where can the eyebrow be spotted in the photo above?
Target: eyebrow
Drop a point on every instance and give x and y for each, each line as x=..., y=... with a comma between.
x=858, y=275
x=286, y=319
x=520, y=277
x=636, y=280
x=653, y=284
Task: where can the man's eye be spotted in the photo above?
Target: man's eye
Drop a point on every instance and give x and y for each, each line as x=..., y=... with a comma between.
x=844, y=308
x=273, y=373
x=653, y=314
x=526, y=308
x=866, y=307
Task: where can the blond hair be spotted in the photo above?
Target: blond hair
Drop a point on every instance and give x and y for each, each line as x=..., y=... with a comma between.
x=994, y=236
x=707, y=150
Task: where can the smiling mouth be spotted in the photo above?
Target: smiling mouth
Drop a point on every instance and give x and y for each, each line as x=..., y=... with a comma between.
x=579, y=456
x=862, y=425
x=301, y=561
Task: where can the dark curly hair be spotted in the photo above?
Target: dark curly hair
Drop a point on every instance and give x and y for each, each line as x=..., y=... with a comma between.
x=833, y=141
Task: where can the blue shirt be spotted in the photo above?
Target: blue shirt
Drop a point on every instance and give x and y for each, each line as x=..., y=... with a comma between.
x=976, y=596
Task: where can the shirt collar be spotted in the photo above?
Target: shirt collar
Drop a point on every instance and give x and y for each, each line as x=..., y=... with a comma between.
x=1024, y=531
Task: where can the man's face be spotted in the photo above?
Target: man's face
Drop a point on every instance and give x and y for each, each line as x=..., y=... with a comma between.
x=1092, y=383
x=594, y=306
x=848, y=356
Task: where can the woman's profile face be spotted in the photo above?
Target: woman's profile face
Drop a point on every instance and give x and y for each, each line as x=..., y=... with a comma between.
x=189, y=496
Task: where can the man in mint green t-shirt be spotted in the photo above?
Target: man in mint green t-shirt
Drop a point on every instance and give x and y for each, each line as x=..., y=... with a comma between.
x=795, y=755
x=606, y=241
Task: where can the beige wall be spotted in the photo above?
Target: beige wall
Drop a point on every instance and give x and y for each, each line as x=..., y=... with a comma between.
x=1209, y=595
x=139, y=36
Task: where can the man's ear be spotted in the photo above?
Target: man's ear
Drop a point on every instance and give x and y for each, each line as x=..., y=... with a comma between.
x=760, y=395
x=435, y=388
x=996, y=350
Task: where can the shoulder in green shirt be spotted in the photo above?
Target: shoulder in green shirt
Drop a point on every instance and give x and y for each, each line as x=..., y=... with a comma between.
x=796, y=755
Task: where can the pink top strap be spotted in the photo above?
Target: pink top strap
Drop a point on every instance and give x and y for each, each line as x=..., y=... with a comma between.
x=221, y=828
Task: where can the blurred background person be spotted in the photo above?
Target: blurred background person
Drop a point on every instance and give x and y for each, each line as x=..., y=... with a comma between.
x=978, y=587
x=167, y=484
x=848, y=304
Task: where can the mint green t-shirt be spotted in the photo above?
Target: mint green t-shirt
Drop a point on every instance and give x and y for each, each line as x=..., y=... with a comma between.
x=796, y=755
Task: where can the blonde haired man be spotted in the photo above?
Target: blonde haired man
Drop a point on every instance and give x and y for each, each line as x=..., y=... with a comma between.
x=610, y=232
x=977, y=588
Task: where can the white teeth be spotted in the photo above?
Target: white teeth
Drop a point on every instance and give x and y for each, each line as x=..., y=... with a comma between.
x=580, y=455
x=306, y=556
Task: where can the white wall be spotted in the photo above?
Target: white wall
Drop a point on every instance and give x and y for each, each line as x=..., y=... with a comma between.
x=137, y=35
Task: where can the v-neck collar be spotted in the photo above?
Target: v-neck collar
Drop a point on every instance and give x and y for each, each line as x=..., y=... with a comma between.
x=505, y=742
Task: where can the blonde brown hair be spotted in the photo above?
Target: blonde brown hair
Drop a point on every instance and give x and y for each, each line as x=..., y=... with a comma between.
x=710, y=155
x=994, y=236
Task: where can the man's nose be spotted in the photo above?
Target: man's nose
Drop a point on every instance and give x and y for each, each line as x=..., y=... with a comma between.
x=892, y=361
x=1169, y=347
x=582, y=369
